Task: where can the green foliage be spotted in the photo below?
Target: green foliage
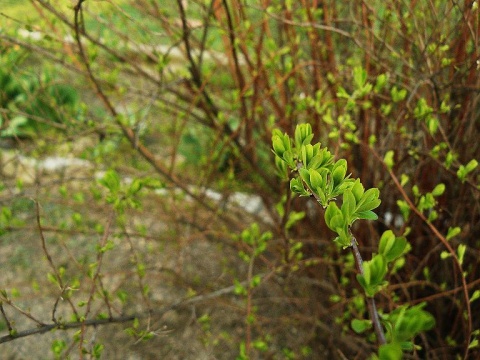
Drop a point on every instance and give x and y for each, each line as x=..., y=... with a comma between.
x=255, y=240
x=390, y=351
x=316, y=173
x=34, y=102
x=58, y=346
x=360, y=326
x=392, y=247
x=362, y=88
x=373, y=277
x=405, y=322
x=464, y=170
x=325, y=179
x=138, y=332
x=123, y=195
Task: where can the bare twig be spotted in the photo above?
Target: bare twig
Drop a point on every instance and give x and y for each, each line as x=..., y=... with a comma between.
x=52, y=265
x=96, y=276
x=42, y=329
x=10, y=328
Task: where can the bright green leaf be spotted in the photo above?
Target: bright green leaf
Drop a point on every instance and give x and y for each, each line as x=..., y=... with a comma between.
x=392, y=247
x=378, y=268
x=357, y=190
x=111, y=180
x=333, y=216
x=359, y=76
x=390, y=351
x=367, y=215
x=452, y=232
x=404, y=209
x=360, y=326
x=438, y=190
x=461, y=252
x=278, y=146
x=380, y=82
x=444, y=255
x=386, y=242
x=388, y=159
x=349, y=205
x=475, y=296
x=293, y=218
x=463, y=171
x=398, y=95
x=369, y=200
x=472, y=164
x=339, y=171
x=316, y=180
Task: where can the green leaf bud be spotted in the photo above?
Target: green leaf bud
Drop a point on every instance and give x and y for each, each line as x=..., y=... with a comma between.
x=339, y=171
x=316, y=180
x=303, y=135
x=307, y=154
x=358, y=190
x=348, y=206
x=360, y=326
x=388, y=159
x=386, y=242
x=334, y=217
x=278, y=146
x=438, y=190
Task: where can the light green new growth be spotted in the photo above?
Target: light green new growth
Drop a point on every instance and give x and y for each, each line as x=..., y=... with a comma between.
x=319, y=175
x=313, y=171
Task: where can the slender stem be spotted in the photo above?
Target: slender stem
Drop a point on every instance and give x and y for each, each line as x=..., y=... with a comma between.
x=44, y=328
x=248, y=340
x=372, y=308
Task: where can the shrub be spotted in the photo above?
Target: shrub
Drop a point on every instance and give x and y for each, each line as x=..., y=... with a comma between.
x=388, y=88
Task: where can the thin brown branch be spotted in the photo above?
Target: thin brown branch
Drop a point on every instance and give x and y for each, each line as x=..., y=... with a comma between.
x=122, y=319
x=52, y=265
x=96, y=276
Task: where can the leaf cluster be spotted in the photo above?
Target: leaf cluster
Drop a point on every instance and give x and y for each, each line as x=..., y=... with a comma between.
x=33, y=103
x=374, y=271
x=256, y=240
x=316, y=173
x=125, y=195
